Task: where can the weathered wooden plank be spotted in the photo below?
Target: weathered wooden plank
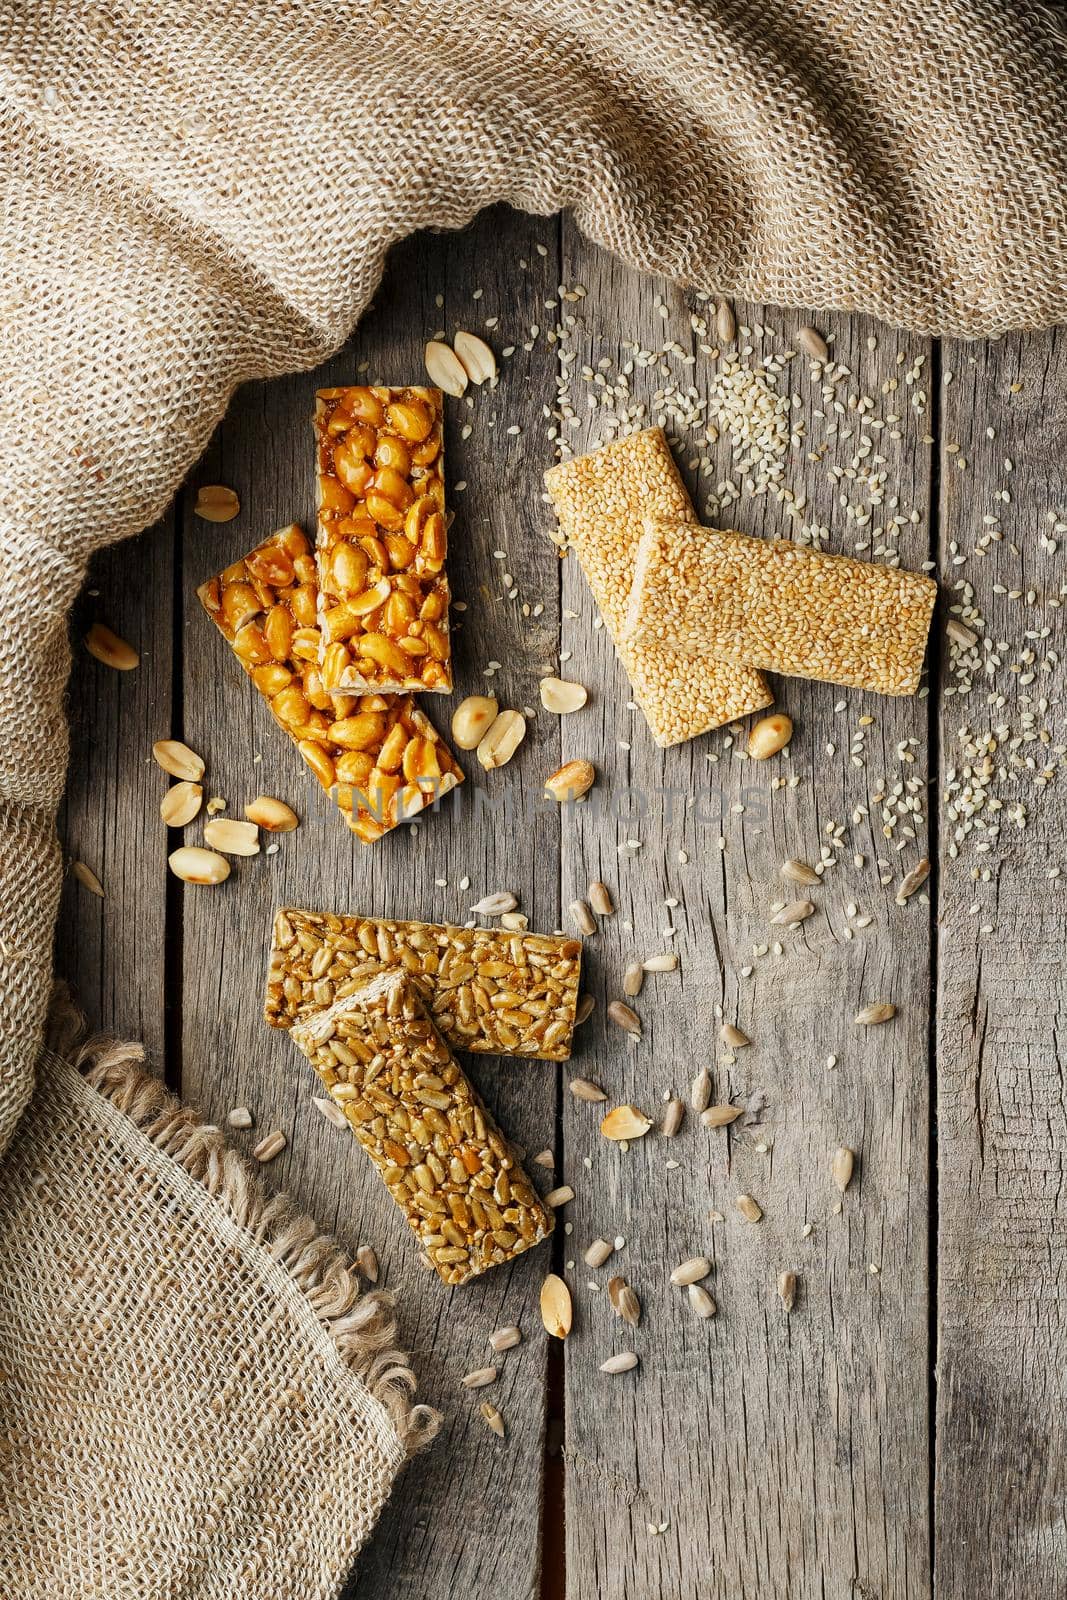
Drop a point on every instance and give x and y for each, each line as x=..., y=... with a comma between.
x=1002, y=1134
x=112, y=951
x=465, y=1518
x=770, y=1451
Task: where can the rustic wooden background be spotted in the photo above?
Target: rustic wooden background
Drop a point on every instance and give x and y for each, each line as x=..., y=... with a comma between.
x=905, y=1425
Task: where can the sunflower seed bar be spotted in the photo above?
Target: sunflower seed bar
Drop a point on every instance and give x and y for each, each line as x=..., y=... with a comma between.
x=441, y=1156
x=382, y=540
x=786, y=608
x=509, y=994
x=379, y=757
x=601, y=501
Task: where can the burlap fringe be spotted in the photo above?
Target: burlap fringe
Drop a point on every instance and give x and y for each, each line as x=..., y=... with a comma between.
x=361, y=1325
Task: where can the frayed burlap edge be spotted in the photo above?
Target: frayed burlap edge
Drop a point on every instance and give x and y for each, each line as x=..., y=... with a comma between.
x=360, y=1325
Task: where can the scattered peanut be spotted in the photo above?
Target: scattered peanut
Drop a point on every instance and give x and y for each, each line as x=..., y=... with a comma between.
x=478, y=361
x=177, y=759
x=561, y=696
x=216, y=503
x=181, y=803
x=272, y=815
x=194, y=865
x=472, y=719
x=556, y=1309
x=232, y=837
x=501, y=740
x=625, y=1122
x=107, y=647
x=570, y=781
x=769, y=735
x=445, y=369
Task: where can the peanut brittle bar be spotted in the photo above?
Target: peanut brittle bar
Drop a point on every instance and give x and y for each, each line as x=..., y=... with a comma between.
x=378, y=756
x=786, y=608
x=489, y=991
x=451, y=1171
x=601, y=501
x=382, y=540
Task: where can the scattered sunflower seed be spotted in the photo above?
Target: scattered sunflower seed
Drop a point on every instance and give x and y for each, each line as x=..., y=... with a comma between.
x=733, y=1036
x=625, y=1017
x=872, y=1016
x=239, y=1117
x=632, y=979
x=700, y=1090
x=87, y=878
x=720, y=1116
x=493, y=905
x=672, y=1118
x=701, y=1301
x=367, y=1262
x=271, y=1146
x=600, y=899
x=690, y=1271
x=559, y=1197
x=493, y=1419
x=792, y=915
x=624, y=1362
x=799, y=872
x=582, y=917
x=914, y=880
x=585, y=1089
x=481, y=1379
x=842, y=1166
x=748, y=1208
x=598, y=1252
x=787, y=1289
x=505, y=1338
x=331, y=1111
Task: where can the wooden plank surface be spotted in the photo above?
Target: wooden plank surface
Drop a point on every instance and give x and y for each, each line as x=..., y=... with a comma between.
x=113, y=951
x=264, y=450
x=769, y=1454
x=755, y=1445
x=1002, y=995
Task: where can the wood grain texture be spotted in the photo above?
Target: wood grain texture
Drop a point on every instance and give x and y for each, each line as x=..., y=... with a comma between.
x=767, y=1445
x=112, y=952
x=1002, y=1131
x=786, y=1455
x=465, y=1516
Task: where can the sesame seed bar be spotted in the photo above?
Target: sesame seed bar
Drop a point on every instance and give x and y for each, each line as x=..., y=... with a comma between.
x=784, y=607
x=379, y=757
x=489, y=991
x=601, y=501
x=451, y=1171
x=382, y=540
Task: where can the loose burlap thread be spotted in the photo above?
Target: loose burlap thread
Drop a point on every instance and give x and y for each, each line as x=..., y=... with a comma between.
x=199, y=192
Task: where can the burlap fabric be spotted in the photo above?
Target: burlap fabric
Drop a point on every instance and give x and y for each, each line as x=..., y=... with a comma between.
x=196, y=192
